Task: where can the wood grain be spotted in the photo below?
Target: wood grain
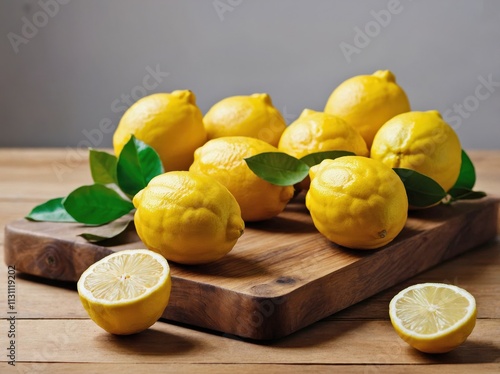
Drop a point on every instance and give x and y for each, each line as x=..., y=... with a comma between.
x=280, y=277
x=326, y=342
x=58, y=338
x=81, y=368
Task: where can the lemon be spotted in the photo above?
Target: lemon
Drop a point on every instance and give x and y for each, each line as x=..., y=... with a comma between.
x=127, y=291
x=253, y=116
x=317, y=132
x=433, y=317
x=366, y=102
x=224, y=159
x=171, y=123
x=187, y=217
x=357, y=202
x=420, y=141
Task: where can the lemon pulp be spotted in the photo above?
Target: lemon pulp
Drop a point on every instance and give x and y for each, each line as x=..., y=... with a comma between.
x=124, y=277
x=433, y=317
x=126, y=292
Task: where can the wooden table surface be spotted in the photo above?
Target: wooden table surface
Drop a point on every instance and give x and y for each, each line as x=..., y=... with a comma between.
x=54, y=334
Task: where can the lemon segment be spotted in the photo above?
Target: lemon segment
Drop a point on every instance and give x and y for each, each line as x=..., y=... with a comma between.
x=126, y=292
x=433, y=317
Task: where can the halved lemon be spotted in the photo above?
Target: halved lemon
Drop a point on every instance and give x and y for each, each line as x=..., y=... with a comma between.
x=127, y=291
x=433, y=317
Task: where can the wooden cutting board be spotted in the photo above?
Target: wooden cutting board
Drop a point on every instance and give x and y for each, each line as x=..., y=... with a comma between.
x=281, y=276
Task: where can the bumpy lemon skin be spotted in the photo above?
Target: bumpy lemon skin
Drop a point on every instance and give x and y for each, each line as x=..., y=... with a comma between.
x=188, y=218
x=317, y=132
x=421, y=141
x=366, y=102
x=171, y=123
x=357, y=202
x=253, y=116
x=224, y=159
x=122, y=319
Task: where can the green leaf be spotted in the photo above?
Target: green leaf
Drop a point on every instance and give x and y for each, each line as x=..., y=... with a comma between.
x=467, y=176
x=422, y=191
x=316, y=158
x=102, y=167
x=96, y=204
x=52, y=211
x=459, y=193
x=278, y=168
x=137, y=164
x=107, y=231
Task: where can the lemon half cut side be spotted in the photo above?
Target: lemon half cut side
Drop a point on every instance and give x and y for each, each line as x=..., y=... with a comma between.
x=433, y=317
x=127, y=291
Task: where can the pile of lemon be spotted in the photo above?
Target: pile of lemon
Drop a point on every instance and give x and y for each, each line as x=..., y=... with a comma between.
x=196, y=211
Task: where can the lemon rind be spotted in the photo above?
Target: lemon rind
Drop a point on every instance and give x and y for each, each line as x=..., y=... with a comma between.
x=87, y=294
x=396, y=321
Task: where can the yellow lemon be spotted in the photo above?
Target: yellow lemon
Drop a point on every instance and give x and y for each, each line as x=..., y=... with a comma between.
x=366, y=102
x=433, y=317
x=357, y=202
x=316, y=132
x=253, y=116
x=187, y=217
x=420, y=141
x=127, y=291
x=171, y=123
x=224, y=159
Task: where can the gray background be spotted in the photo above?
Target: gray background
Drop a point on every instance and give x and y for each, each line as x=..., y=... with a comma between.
x=87, y=56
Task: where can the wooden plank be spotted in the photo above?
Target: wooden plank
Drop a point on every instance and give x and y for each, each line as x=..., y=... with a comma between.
x=305, y=351
x=80, y=368
x=477, y=271
x=42, y=174
x=11, y=210
x=281, y=276
x=59, y=170
x=487, y=165
x=330, y=342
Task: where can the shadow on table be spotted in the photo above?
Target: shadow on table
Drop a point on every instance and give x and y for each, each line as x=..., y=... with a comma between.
x=151, y=342
x=49, y=282
x=471, y=352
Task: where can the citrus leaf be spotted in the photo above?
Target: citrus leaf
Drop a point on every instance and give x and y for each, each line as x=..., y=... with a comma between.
x=460, y=193
x=421, y=190
x=316, y=158
x=107, y=231
x=51, y=211
x=467, y=176
x=102, y=167
x=96, y=204
x=278, y=168
x=137, y=164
